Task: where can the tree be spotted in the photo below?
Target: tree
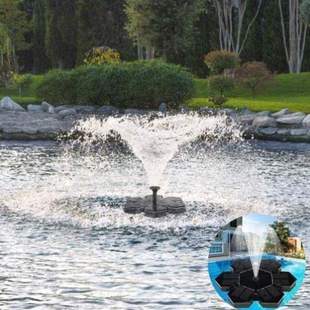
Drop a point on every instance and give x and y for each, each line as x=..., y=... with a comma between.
x=102, y=23
x=283, y=233
x=219, y=61
x=253, y=75
x=16, y=22
x=40, y=60
x=7, y=56
x=163, y=27
x=139, y=27
x=220, y=84
x=231, y=13
x=61, y=33
x=294, y=38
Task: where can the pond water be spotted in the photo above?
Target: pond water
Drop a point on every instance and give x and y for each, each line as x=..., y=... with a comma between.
x=66, y=244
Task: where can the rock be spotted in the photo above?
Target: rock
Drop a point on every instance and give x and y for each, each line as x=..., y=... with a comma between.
x=299, y=132
x=306, y=121
x=291, y=119
x=246, y=112
x=247, y=119
x=163, y=108
x=48, y=108
x=67, y=112
x=264, y=122
x=108, y=110
x=84, y=109
x=228, y=111
x=263, y=113
x=267, y=131
x=298, y=114
x=61, y=108
x=34, y=108
x=280, y=113
x=134, y=112
x=8, y=104
x=206, y=111
x=283, y=132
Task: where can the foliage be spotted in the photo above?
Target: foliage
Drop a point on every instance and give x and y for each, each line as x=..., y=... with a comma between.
x=137, y=85
x=102, y=55
x=167, y=26
x=15, y=20
x=61, y=28
x=305, y=11
x=40, y=59
x=102, y=22
x=220, y=84
x=58, y=86
x=253, y=75
x=219, y=61
x=22, y=82
x=218, y=100
x=283, y=233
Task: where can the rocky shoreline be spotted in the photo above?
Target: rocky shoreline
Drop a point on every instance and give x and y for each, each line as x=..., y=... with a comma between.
x=45, y=122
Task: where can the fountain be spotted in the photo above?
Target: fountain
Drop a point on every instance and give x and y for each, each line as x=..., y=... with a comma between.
x=155, y=141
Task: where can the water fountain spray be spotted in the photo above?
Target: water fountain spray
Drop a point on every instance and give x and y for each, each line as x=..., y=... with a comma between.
x=141, y=134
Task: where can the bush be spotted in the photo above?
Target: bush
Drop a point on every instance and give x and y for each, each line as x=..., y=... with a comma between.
x=253, y=75
x=219, y=61
x=22, y=82
x=58, y=87
x=141, y=84
x=218, y=100
x=220, y=84
x=102, y=55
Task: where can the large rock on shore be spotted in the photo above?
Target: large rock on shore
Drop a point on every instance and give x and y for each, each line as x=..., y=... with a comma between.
x=294, y=119
x=108, y=110
x=46, y=107
x=264, y=122
x=31, y=126
x=280, y=113
x=306, y=121
x=8, y=104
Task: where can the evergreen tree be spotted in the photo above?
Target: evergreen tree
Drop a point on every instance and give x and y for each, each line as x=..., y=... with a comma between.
x=40, y=60
x=61, y=33
x=102, y=23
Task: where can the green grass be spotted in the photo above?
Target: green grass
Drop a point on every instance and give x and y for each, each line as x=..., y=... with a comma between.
x=290, y=91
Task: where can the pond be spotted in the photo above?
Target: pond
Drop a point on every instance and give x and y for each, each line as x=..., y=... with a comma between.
x=66, y=243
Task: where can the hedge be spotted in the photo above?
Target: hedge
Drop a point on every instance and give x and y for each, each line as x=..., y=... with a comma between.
x=140, y=84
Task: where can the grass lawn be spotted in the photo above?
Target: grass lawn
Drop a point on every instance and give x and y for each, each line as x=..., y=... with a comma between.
x=290, y=91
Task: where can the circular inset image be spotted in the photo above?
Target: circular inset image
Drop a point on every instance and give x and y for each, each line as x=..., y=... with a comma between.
x=256, y=262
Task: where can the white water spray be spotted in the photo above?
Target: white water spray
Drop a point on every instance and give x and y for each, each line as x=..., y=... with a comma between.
x=257, y=237
x=156, y=141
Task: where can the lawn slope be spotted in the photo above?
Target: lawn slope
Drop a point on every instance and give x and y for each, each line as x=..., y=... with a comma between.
x=290, y=91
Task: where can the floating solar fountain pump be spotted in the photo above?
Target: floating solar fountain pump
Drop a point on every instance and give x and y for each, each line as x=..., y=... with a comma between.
x=154, y=206
x=267, y=288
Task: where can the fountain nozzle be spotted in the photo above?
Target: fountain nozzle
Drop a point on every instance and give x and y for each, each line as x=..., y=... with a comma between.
x=155, y=189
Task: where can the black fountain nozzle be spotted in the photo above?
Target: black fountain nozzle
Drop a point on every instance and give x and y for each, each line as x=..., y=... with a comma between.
x=155, y=189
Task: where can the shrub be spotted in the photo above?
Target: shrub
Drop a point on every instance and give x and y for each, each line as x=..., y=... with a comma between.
x=141, y=84
x=253, y=75
x=102, y=55
x=218, y=100
x=22, y=82
x=219, y=61
x=220, y=84
x=58, y=87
